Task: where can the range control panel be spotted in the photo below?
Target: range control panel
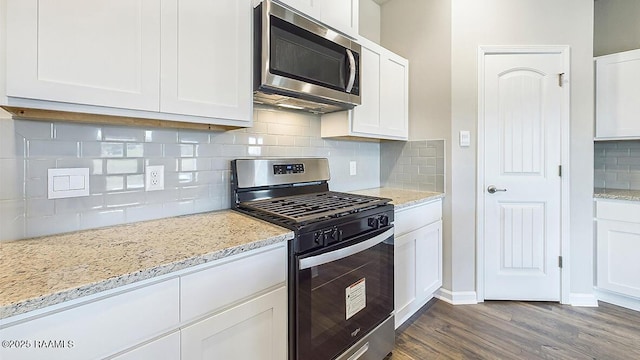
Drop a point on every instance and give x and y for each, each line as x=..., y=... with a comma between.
x=288, y=169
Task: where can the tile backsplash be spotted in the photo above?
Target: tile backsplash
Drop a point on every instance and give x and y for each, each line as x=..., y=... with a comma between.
x=617, y=164
x=196, y=167
x=413, y=165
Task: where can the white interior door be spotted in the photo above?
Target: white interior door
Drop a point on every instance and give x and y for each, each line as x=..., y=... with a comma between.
x=523, y=100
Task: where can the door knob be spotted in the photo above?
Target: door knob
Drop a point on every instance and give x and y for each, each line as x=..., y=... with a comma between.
x=492, y=189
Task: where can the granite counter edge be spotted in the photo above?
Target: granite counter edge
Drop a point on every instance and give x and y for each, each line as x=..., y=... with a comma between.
x=59, y=297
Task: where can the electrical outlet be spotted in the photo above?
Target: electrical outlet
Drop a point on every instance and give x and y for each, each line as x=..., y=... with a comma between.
x=154, y=178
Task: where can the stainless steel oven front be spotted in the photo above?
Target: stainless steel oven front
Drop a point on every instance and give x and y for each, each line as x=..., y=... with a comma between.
x=344, y=299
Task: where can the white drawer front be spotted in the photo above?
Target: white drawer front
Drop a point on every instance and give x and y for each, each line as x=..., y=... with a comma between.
x=618, y=210
x=413, y=218
x=211, y=289
x=98, y=329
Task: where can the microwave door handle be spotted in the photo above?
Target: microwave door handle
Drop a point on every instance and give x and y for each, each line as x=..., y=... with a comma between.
x=352, y=71
x=342, y=253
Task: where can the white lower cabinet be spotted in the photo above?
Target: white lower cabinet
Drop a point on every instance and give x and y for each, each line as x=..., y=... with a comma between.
x=233, y=308
x=256, y=329
x=166, y=348
x=96, y=329
x=417, y=258
x=618, y=249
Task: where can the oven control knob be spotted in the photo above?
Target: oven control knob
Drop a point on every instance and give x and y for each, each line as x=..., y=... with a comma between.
x=374, y=222
x=317, y=237
x=335, y=235
x=384, y=220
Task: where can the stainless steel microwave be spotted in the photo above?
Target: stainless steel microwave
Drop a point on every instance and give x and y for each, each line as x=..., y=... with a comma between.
x=302, y=64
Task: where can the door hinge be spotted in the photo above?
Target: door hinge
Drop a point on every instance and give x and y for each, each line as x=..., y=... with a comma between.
x=560, y=262
x=560, y=79
x=560, y=170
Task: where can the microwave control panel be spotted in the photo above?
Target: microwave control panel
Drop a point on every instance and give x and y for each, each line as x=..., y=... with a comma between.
x=288, y=169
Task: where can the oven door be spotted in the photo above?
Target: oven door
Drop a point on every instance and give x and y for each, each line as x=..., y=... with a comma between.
x=344, y=292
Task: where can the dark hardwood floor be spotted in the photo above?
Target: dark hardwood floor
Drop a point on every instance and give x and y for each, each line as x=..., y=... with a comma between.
x=519, y=330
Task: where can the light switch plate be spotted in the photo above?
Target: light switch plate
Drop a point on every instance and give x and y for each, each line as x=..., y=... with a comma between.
x=353, y=168
x=66, y=183
x=465, y=138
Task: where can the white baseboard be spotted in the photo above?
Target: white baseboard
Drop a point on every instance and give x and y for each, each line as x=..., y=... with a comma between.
x=628, y=302
x=584, y=300
x=457, y=297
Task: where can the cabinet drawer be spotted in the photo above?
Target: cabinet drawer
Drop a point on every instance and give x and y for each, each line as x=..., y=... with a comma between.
x=98, y=329
x=413, y=218
x=214, y=288
x=618, y=210
x=166, y=348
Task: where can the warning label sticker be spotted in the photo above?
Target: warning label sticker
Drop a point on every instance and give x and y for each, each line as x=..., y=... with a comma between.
x=356, y=297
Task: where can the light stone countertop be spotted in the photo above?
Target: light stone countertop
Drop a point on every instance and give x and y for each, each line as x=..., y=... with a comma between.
x=616, y=194
x=39, y=272
x=44, y=271
x=402, y=198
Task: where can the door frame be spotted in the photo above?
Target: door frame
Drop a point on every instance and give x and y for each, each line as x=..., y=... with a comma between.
x=564, y=51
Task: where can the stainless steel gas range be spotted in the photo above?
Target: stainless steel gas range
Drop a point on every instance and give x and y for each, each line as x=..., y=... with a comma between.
x=340, y=261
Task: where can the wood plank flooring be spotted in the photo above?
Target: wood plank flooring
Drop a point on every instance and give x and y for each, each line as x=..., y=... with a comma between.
x=519, y=330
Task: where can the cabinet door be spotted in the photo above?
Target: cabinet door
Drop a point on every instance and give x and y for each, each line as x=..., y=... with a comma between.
x=394, y=96
x=617, y=94
x=206, y=58
x=404, y=272
x=618, y=249
x=308, y=7
x=256, y=329
x=428, y=260
x=98, y=329
x=92, y=52
x=366, y=116
x=166, y=348
x=341, y=15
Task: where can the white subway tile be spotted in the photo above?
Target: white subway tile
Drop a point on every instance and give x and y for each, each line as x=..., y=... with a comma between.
x=36, y=188
x=135, y=150
x=124, y=166
x=40, y=207
x=48, y=225
x=123, y=134
x=114, y=183
x=125, y=198
x=179, y=150
x=111, y=150
x=13, y=220
x=78, y=204
x=33, y=130
x=12, y=179
x=161, y=136
x=195, y=137
x=94, y=219
x=77, y=132
x=144, y=212
x=48, y=148
x=152, y=150
x=135, y=182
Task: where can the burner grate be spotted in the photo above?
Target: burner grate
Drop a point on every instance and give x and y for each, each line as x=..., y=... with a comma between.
x=301, y=208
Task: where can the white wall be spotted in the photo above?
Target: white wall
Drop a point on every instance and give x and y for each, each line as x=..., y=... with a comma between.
x=617, y=26
x=523, y=22
x=420, y=30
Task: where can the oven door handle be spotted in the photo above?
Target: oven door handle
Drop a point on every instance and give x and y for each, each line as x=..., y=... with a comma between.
x=344, y=252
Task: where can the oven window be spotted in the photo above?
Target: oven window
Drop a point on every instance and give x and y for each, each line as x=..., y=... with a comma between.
x=302, y=55
x=341, y=301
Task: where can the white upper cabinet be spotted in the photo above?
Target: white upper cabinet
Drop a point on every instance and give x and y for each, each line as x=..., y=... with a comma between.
x=384, y=112
x=617, y=95
x=187, y=61
x=85, y=51
x=206, y=63
x=341, y=15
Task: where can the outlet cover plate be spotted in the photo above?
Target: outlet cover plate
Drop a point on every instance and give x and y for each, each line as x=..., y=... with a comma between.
x=154, y=178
